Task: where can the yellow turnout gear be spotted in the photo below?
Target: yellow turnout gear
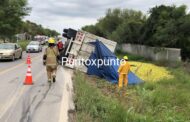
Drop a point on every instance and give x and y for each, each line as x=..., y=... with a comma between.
x=51, y=54
x=123, y=73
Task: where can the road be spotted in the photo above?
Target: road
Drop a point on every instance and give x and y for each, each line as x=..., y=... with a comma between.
x=40, y=102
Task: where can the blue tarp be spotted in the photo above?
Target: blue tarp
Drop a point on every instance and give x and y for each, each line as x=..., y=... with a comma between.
x=107, y=71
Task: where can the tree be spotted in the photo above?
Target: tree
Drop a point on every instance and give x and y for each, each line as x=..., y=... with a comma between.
x=35, y=29
x=93, y=29
x=168, y=26
x=11, y=13
x=119, y=25
x=130, y=27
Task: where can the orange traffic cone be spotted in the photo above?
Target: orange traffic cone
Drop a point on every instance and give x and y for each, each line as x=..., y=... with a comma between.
x=28, y=79
x=28, y=61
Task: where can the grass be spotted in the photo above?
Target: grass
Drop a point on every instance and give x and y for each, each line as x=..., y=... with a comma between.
x=23, y=44
x=167, y=100
x=164, y=101
x=91, y=105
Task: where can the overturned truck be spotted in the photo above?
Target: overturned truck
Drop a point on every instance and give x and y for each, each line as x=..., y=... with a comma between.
x=82, y=47
x=79, y=46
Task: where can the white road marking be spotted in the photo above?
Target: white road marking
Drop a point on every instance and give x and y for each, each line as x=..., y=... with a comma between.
x=20, y=92
x=16, y=66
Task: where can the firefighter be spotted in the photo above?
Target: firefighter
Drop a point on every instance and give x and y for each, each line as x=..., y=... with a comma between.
x=50, y=57
x=123, y=72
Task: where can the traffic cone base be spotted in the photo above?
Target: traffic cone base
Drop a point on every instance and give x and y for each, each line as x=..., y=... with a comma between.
x=28, y=79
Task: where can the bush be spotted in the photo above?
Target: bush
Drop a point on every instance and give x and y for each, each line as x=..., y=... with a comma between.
x=23, y=44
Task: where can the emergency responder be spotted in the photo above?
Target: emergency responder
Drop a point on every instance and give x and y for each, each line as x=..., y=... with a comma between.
x=60, y=45
x=123, y=72
x=60, y=48
x=50, y=57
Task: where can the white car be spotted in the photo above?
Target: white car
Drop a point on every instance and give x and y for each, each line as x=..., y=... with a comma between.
x=34, y=46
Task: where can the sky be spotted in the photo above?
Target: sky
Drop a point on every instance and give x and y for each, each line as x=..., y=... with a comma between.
x=59, y=14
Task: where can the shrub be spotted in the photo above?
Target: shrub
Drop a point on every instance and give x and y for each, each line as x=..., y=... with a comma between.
x=23, y=44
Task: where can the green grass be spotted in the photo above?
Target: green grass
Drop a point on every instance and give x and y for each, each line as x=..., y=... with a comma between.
x=164, y=101
x=93, y=106
x=167, y=100
x=23, y=44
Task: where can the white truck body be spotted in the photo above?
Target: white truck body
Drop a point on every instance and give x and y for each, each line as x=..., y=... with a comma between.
x=82, y=49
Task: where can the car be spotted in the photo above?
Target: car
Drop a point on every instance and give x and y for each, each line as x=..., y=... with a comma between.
x=34, y=46
x=10, y=51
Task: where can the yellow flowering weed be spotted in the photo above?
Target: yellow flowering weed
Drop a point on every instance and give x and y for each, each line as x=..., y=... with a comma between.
x=149, y=72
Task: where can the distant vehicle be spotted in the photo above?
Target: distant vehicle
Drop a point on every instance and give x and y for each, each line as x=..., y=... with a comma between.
x=40, y=38
x=10, y=51
x=46, y=40
x=34, y=46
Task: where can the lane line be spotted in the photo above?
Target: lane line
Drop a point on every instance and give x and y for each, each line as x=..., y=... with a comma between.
x=16, y=66
x=17, y=96
x=37, y=77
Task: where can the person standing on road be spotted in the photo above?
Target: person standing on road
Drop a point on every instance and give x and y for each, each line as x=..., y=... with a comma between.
x=60, y=45
x=123, y=72
x=50, y=57
x=60, y=48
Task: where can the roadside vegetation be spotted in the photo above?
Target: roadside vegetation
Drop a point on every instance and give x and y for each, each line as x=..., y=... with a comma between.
x=11, y=21
x=93, y=106
x=164, y=26
x=34, y=29
x=166, y=100
x=23, y=44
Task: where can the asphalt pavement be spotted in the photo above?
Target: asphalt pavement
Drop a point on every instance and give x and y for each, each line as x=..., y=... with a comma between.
x=40, y=102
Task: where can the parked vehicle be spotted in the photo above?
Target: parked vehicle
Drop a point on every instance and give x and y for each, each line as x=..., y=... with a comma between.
x=10, y=51
x=34, y=46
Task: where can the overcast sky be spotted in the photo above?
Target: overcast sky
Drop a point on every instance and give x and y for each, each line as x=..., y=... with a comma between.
x=59, y=14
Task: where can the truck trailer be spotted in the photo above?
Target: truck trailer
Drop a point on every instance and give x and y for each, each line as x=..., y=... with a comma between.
x=80, y=47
